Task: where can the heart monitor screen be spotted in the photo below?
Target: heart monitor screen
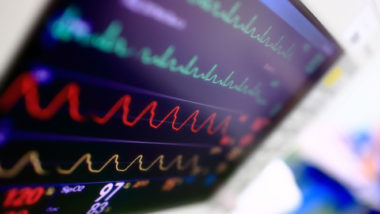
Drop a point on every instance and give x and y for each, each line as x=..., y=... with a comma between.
x=125, y=105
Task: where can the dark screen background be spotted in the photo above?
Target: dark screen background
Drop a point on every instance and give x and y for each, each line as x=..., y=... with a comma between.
x=124, y=106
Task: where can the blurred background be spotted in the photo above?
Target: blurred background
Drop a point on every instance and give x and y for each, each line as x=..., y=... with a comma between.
x=333, y=165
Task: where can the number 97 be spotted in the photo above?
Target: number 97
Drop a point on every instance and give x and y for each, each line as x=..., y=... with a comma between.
x=107, y=190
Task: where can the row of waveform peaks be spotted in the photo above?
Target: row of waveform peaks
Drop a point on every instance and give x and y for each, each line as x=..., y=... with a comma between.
x=26, y=87
x=33, y=158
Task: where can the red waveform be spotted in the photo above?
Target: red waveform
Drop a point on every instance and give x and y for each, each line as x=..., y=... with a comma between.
x=125, y=102
x=26, y=86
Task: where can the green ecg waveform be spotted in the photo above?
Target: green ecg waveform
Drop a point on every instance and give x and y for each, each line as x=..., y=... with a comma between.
x=231, y=17
x=167, y=61
x=66, y=29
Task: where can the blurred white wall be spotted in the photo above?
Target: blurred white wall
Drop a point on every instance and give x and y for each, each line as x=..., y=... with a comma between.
x=354, y=23
x=16, y=19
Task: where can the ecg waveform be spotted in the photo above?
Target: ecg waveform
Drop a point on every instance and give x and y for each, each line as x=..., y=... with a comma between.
x=26, y=86
x=193, y=163
x=32, y=157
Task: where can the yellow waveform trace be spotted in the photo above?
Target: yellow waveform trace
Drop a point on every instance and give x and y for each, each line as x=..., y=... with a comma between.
x=177, y=162
x=31, y=157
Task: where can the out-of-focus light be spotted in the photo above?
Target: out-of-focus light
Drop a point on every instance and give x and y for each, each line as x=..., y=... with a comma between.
x=80, y=27
x=42, y=75
x=360, y=140
x=210, y=180
x=5, y=129
x=3, y=138
x=333, y=76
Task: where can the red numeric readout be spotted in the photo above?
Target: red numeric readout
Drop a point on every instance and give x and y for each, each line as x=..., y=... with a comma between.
x=23, y=197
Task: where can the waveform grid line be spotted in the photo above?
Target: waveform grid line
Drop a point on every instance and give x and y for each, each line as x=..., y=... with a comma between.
x=62, y=184
x=31, y=157
x=177, y=161
x=19, y=135
x=94, y=80
x=26, y=86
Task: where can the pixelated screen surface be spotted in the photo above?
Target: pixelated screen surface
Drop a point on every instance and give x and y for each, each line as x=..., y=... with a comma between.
x=129, y=105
